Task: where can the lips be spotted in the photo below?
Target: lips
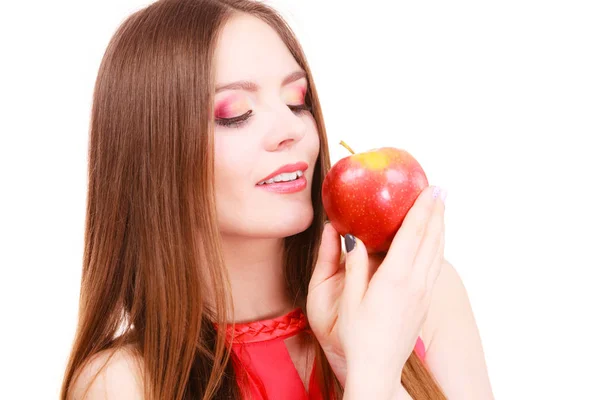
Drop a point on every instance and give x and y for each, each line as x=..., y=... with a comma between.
x=299, y=166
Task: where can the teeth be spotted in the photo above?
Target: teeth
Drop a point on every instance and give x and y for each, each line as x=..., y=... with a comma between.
x=284, y=177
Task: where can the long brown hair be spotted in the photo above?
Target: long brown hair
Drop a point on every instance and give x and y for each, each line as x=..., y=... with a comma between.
x=152, y=252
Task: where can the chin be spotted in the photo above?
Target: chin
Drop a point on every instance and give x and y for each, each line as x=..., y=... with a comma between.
x=266, y=226
x=290, y=224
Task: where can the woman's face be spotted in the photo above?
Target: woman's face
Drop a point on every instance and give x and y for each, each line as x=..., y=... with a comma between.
x=276, y=133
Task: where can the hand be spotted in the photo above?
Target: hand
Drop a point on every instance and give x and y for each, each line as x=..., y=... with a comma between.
x=373, y=319
x=324, y=292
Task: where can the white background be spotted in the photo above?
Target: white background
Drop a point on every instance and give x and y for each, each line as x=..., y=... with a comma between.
x=499, y=101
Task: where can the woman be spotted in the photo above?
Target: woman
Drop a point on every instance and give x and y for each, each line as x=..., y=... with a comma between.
x=204, y=278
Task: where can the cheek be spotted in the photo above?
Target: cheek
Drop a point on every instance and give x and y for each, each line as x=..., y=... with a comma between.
x=313, y=136
x=232, y=160
x=224, y=155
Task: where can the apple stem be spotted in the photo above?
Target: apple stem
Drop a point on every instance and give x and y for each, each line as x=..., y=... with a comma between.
x=346, y=146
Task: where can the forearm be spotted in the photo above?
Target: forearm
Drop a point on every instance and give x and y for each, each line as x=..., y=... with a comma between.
x=364, y=385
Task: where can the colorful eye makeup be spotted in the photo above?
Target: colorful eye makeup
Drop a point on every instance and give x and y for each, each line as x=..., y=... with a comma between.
x=236, y=109
x=233, y=106
x=294, y=95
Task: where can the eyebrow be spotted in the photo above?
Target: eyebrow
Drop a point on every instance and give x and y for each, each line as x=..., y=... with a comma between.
x=253, y=87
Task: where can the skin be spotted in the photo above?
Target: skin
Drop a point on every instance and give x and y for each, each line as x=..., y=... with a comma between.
x=253, y=223
x=372, y=288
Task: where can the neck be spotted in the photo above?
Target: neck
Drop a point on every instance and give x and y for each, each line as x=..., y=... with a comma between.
x=256, y=272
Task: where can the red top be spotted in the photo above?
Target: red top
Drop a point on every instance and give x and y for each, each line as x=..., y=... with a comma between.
x=261, y=352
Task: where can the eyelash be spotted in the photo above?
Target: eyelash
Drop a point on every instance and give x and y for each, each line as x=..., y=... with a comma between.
x=238, y=121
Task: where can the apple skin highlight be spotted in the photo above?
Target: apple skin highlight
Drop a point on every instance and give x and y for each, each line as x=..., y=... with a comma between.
x=369, y=194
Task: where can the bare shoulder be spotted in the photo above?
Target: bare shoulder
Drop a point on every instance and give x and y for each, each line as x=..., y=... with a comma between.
x=449, y=297
x=110, y=374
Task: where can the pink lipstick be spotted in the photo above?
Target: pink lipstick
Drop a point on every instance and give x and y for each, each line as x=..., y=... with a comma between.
x=292, y=180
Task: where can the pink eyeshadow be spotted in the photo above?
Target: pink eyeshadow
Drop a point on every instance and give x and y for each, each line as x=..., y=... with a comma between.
x=296, y=94
x=231, y=106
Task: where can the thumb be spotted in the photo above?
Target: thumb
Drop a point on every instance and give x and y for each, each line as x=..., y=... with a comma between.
x=357, y=273
x=328, y=258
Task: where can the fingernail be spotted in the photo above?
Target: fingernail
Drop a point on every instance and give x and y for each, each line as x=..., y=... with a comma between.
x=440, y=192
x=350, y=242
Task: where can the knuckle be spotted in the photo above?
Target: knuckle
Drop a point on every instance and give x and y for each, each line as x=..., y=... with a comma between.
x=420, y=228
x=419, y=224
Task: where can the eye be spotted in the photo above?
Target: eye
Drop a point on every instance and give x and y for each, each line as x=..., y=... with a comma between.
x=297, y=109
x=239, y=121
x=234, y=122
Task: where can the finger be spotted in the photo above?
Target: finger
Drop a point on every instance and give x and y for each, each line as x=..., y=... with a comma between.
x=436, y=267
x=375, y=261
x=328, y=257
x=428, y=250
x=357, y=274
x=407, y=240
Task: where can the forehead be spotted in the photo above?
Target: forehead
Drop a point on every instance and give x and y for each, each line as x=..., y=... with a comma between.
x=249, y=49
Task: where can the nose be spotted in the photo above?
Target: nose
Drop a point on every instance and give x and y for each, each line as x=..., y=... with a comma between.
x=286, y=130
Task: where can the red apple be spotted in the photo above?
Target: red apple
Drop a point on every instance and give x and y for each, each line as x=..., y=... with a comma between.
x=369, y=194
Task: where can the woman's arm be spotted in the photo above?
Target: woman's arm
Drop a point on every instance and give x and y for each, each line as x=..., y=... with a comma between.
x=366, y=384
x=454, y=350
